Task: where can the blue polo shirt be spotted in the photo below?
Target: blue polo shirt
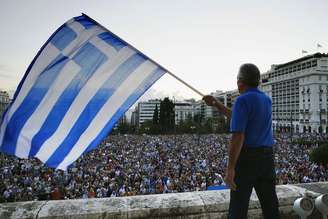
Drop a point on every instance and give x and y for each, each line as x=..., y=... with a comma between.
x=251, y=115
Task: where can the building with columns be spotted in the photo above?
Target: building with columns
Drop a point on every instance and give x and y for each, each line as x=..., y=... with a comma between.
x=227, y=98
x=186, y=109
x=298, y=90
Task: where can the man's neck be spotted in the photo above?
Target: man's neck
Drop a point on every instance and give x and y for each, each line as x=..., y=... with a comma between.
x=248, y=88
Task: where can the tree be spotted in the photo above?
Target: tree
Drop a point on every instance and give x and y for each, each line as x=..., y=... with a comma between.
x=166, y=115
x=146, y=127
x=198, y=118
x=122, y=128
x=319, y=155
x=186, y=126
x=155, y=116
x=154, y=127
x=208, y=125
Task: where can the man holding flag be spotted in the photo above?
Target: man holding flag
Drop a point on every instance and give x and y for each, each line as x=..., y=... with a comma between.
x=251, y=160
x=85, y=78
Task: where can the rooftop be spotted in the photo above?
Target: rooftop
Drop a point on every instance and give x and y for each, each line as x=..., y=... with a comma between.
x=304, y=58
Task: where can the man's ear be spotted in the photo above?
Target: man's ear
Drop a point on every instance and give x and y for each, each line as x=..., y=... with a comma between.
x=240, y=84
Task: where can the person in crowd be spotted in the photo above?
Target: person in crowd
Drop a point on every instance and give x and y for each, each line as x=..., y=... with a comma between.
x=141, y=165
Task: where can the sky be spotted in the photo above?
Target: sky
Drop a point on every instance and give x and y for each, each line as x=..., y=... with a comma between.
x=203, y=42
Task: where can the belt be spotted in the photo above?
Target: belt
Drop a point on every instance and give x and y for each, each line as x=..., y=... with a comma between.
x=262, y=149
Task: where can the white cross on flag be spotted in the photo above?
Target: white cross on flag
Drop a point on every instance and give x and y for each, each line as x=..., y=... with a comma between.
x=77, y=87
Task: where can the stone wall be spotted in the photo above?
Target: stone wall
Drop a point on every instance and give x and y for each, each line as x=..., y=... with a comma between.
x=206, y=204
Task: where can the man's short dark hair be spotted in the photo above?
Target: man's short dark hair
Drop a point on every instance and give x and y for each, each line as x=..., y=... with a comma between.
x=249, y=74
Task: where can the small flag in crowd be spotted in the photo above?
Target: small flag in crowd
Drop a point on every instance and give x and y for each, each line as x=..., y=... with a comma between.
x=319, y=45
x=304, y=51
x=77, y=87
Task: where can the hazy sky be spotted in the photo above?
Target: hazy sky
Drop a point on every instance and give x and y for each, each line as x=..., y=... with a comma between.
x=203, y=42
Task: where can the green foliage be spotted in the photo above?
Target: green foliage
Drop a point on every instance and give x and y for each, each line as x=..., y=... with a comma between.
x=199, y=125
x=198, y=118
x=147, y=127
x=188, y=126
x=304, y=141
x=155, y=116
x=319, y=155
x=124, y=128
x=166, y=116
x=163, y=122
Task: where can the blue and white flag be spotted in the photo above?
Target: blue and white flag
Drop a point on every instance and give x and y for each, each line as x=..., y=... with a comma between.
x=75, y=90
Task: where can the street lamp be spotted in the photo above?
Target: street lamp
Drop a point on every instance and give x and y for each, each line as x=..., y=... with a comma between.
x=175, y=119
x=320, y=129
x=291, y=126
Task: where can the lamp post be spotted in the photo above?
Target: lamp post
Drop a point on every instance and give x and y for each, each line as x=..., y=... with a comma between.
x=291, y=126
x=278, y=123
x=175, y=116
x=320, y=129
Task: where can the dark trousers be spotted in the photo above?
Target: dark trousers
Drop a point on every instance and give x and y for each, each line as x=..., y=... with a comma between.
x=254, y=169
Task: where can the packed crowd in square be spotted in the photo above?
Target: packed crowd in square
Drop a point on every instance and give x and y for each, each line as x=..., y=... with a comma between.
x=127, y=165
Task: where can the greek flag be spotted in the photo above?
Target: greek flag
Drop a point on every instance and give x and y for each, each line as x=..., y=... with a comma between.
x=78, y=86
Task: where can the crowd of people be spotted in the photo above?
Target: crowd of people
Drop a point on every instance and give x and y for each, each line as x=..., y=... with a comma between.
x=126, y=165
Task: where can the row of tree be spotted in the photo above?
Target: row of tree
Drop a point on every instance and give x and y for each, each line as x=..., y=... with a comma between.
x=319, y=155
x=163, y=122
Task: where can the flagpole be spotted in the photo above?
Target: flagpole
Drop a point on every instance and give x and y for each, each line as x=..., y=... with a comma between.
x=167, y=71
x=185, y=83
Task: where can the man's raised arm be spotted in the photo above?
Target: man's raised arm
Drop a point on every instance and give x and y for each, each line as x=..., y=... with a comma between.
x=212, y=101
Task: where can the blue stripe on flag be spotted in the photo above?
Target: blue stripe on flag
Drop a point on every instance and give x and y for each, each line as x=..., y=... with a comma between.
x=112, y=40
x=142, y=88
x=85, y=22
x=93, y=107
x=30, y=103
x=89, y=58
x=63, y=38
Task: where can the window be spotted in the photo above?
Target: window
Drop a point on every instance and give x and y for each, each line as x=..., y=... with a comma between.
x=308, y=64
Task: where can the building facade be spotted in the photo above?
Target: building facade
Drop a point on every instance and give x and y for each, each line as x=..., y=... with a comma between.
x=298, y=90
x=4, y=102
x=227, y=98
x=186, y=109
x=145, y=110
x=134, y=117
x=209, y=111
